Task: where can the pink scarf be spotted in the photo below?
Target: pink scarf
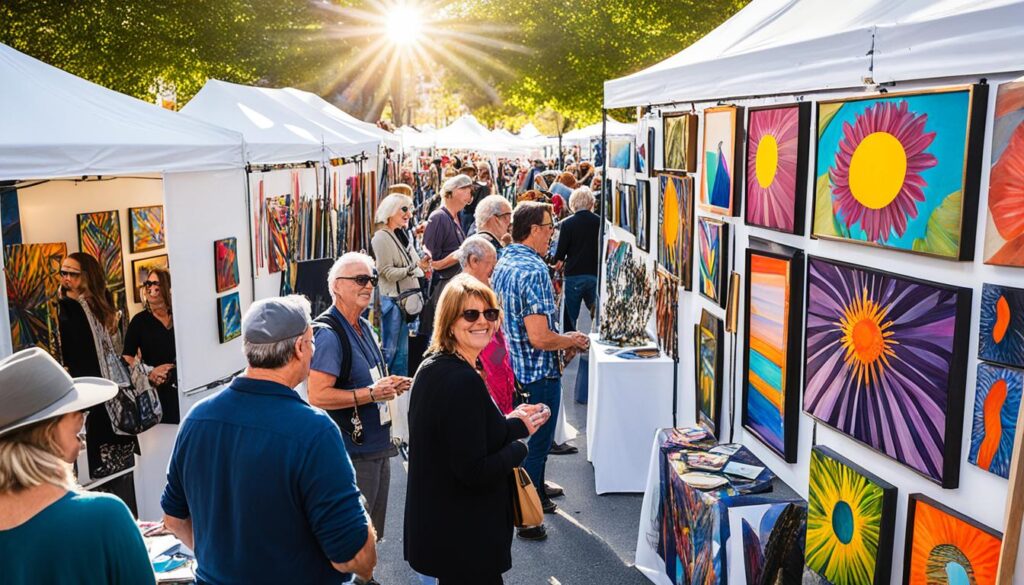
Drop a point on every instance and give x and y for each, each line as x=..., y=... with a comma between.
x=498, y=373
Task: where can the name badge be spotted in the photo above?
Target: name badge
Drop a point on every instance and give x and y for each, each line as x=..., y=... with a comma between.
x=383, y=407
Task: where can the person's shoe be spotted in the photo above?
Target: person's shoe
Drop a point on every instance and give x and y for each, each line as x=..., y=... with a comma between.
x=553, y=490
x=563, y=449
x=532, y=533
x=548, y=506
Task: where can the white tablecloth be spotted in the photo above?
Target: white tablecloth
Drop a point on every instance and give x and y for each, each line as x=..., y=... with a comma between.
x=628, y=401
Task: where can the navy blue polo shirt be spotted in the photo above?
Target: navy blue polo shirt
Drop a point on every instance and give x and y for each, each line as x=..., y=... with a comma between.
x=268, y=485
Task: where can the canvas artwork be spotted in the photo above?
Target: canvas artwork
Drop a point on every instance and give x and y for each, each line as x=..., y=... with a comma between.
x=630, y=297
x=650, y=151
x=675, y=227
x=766, y=542
x=279, y=215
x=225, y=259
x=620, y=152
x=718, y=174
x=229, y=317
x=99, y=235
x=625, y=208
x=10, y=217
x=777, y=145
x=147, y=227
x=851, y=517
x=666, y=310
x=643, y=215
x=901, y=171
x=1004, y=228
x=712, y=259
x=1001, y=327
x=141, y=269
x=875, y=340
x=996, y=406
x=709, y=351
x=33, y=278
x=771, y=355
x=944, y=547
x=679, y=142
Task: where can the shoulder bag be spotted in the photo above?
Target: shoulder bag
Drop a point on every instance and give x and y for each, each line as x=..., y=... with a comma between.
x=526, y=508
x=410, y=301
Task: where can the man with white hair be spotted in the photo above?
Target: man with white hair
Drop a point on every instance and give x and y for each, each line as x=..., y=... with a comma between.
x=577, y=252
x=442, y=238
x=478, y=257
x=493, y=220
x=349, y=379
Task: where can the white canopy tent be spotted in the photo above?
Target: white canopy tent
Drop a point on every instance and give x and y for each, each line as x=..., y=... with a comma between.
x=791, y=46
x=593, y=131
x=466, y=133
x=330, y=110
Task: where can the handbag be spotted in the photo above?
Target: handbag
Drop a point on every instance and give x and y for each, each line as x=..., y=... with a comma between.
x=526, y=508
x=410, y=302
x=136, y=406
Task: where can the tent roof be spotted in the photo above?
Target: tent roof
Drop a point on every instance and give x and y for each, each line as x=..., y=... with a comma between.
x=328, y=109
x=54, y=124
x=792, y=46
x=594, y=131
x=278, y=126
x=467, y=133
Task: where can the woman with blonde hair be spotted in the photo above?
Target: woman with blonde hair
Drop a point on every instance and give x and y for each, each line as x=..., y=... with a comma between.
x=49, y=531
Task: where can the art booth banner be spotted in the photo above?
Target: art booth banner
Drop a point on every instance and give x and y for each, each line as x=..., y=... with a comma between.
x=943, y=546
x=719, y=173
x=675, y=227
x=902, y=171
x=777, y=145
x=1004, y=227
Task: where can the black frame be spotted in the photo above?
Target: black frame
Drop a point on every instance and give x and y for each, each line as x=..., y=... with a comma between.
x=685, y=274
x=215, y=284
x=724, y=270
x=220, y=315
x=650, y=151
x=690, y=140
x=908, y=545
x=739, y=150
x=802, y=153
x=717, y=328
x=643, y=220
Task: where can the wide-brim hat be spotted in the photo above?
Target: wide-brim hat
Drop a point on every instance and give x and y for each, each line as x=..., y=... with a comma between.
x=34, y=388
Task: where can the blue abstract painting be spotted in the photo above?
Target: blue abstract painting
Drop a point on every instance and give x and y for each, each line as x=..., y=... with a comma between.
x=1001, y=331
x=620, y=152
x=996, y=404
x=229, y=317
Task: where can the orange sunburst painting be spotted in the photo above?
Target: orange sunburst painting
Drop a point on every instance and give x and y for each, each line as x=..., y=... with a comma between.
x=945, y=547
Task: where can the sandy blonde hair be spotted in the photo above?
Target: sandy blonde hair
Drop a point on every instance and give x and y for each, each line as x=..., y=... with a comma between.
x=450, y=306
x=31, y=456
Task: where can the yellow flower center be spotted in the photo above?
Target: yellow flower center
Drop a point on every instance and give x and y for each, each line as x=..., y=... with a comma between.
x=877, y=170
x=767, y=160
x=671, y=226
x=866, y=337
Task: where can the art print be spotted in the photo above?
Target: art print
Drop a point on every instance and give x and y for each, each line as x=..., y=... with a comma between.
x=996, y=408
x=643, y=215
x=33, y=279
x=279, y=214
x=945, y=547
x=1001, y=327
x=229, y=317
x=766, y=541
x=620, y=152
x=709, y=351
x=719, y=177
x=666, y=310
x=147, y=228
x=141, y=269
x=99, y=235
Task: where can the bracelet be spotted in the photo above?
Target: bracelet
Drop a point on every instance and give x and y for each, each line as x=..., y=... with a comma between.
x=372, y=399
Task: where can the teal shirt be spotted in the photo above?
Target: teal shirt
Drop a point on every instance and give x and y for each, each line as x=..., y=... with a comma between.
x=82, y=538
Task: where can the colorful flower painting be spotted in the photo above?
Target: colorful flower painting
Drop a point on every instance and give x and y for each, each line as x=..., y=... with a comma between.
x=675, y=231
x=1004, y=230
x=708, y=352
x=944, y=547
x=1001, y=327
x=229, y=317
x=141, y=269
x=712, y=252
x=225, y=259
x=996, y=406
x=147, y=227
x=679, y=142
x=99, y=235
x=718, y=173
x=776, y=173
x=851, y=517
x=886, y=363
x=33, y=278
x=620, y=152
x=901, y=171
x=766, y=541
x=666, y=310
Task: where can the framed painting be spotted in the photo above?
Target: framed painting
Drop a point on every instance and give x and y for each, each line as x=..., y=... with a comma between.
x=641, y=152
x=666, y=310
x=32, y=274
x=877, y=339
x=1004, y=227
x=147, y=228
x=141, y=269
x=643, y=215
x=996, y=405
x=771, y=355
x=765, y=542
x=776, y=174
x=901, y=171
x=620, y=152
x=723, y=136
x=709, y=351
x=99, y=235
x=229, y=317
x=279, y=217
x=851, y=518
x=225, y=263
x=713, y=259
x=608, y=201
x=943, y=546
x=1001, y=327
x=10, y=215
x=650, y=150
x=625, y=208
x=679, y=142
x=675, y=227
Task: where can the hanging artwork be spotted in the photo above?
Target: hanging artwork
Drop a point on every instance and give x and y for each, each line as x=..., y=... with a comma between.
x=141, y=269
x=229, y=317
x=625, y=314
x=708, y=343
x=901, y=171
x=620, y=152
x=712, y=259
x=851, y=517
x=666, y=302
x=771, y=356
x=147, y=227
x=225, y=261
x=279, y=214
x=876, y=340
x=625, y=208
x=766, y=541
x=718, y=174
x=643, y=215
x=1004, y=244
x=10, y=214
x=996, y=406
x=679, y=142
x=33, y=280
x=99, y=235
x=675, y=227
x=777, y=145
x=650, y=151
x=1001, y=330
x=944, y=547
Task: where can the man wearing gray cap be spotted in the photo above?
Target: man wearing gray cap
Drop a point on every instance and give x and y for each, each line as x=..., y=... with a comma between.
x=259, y=484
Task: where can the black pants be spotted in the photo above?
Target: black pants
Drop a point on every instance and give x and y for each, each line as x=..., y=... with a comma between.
x=495, y=580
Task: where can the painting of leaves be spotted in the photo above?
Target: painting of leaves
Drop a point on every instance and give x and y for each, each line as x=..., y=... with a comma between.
x=1001, y=328
x=679, y=142
x=996, y=406
x=766, y=541
x=229, y=317
x=225, y=257
x=141, y=269
x=99, y=235
x=718, y=174
x=33, y=279
x=712, y=259
x=147, y=227
x=886, y=363
x=901, y=171
x=675, y=227
x=944, y=547
x=709, y=352
x=1004, y=229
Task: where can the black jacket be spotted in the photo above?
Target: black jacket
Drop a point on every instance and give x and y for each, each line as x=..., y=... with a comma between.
x=458, y=507
x=578, y=238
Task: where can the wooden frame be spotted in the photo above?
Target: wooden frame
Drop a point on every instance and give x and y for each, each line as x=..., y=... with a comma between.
x=803, y=148
x=732, y=155
x=688, y=142
x=160, y=261
x=714, y=327
x=132, y=223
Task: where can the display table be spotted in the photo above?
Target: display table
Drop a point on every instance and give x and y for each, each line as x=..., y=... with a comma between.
x=629, y=400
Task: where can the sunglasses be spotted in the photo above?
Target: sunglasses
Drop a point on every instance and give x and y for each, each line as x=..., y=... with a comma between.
x=361, y=280
x=70, y=274
x=472, y=315
x=405, y=209
x=150, y=284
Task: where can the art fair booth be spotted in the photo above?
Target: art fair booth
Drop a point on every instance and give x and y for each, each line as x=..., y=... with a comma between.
x=87, y=169
x=823, y=199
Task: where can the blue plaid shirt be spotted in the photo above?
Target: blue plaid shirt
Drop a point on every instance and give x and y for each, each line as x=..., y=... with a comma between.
x=523, y=284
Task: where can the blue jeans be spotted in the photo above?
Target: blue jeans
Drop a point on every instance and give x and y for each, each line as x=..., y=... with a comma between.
x=394, y=336
x=578, y=288
x=547, y=391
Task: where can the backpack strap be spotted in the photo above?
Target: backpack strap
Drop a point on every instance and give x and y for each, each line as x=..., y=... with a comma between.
x=327, y=320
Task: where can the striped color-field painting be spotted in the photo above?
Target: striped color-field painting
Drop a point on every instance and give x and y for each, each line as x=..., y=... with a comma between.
x=766, y=348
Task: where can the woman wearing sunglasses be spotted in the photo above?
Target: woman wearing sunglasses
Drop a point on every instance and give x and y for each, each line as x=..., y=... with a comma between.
x=458, y=510
x=151, y=336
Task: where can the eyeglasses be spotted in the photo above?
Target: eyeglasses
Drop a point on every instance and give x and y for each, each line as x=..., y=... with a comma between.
x=361, y=280
x=70, y=274
x=503, y=214
x=549, y=224
x=405, y=209
x=472, y=315
x=150, y=284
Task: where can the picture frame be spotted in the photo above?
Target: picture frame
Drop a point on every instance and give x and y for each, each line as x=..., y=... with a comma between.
x=720, y=175
x=708, y=361
x=99, y=235
x=146, y=225
x=140, y=271
x=225, y=264
x=675, y=226
x=777, y=145
x=643, y=215
x=713, y=260
x=679, y=142
x=229, y=317
x=959, y=546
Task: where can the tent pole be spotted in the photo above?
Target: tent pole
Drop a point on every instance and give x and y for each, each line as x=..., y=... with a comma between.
x=604, y=211
x=252, y=237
